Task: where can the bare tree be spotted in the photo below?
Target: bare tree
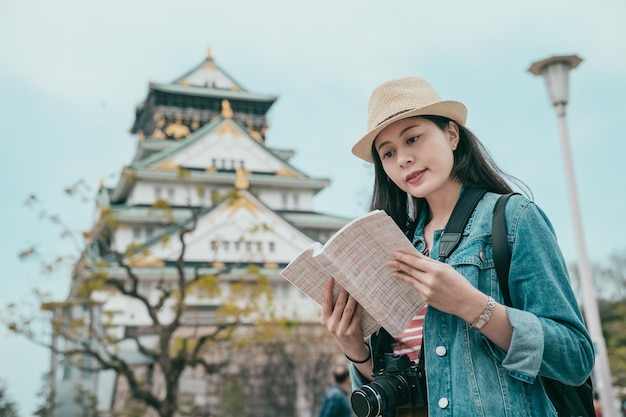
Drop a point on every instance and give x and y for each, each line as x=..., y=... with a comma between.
x=610, y=285
x=307, y=353
x=7, y=407
x=609, y=277
x=88, y=338
x=613, y=275
x=47, y=394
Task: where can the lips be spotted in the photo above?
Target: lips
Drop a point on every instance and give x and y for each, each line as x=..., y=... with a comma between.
x=414, y=176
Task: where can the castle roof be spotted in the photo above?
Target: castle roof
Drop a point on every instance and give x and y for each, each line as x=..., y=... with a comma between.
x=197, y=96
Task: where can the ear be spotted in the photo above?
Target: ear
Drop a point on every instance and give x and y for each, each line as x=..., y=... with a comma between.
x=453, y=134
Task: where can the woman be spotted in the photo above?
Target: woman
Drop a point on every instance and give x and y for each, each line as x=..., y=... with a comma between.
x=482, y=358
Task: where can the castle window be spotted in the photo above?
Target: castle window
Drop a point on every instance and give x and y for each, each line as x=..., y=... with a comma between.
x=144, y=289
x=272, y=246
x=280, y=290
x=136, y=232
x=67, y=371
x=157, y=193
x=87, y=363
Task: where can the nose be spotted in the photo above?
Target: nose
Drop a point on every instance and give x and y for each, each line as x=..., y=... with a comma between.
x=405, y=159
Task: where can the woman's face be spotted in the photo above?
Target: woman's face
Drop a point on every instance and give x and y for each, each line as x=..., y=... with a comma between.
x=416, y=155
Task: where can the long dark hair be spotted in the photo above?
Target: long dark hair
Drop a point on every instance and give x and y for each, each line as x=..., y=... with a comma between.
x=473, y=167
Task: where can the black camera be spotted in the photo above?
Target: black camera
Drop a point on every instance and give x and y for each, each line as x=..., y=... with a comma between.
x=401, y=383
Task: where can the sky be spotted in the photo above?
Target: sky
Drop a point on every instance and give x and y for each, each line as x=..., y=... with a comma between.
x=72, y=72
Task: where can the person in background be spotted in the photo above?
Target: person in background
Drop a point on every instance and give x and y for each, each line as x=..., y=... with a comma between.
x=597, y=405
x=335, y=402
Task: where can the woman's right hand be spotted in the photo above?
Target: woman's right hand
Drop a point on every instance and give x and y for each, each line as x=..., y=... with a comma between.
x=343, y=320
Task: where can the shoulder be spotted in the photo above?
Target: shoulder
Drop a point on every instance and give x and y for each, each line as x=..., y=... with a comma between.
x=517, y=207
x=482, y=217
x=523, y=217
x=520, y=212
x=516, y=201
x=335, y=390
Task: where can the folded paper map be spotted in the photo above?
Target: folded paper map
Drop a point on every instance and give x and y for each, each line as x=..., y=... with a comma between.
x=356, y=257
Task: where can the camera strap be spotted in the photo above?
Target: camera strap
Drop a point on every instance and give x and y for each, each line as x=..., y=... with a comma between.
x=381, y=342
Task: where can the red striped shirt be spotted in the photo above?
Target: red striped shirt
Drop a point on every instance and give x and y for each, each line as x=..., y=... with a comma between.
x=410, y=341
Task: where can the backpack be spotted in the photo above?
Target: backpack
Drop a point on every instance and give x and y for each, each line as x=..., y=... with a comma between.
x=567, y=400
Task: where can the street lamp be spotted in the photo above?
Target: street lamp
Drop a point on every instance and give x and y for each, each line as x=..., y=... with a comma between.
x=555, y=71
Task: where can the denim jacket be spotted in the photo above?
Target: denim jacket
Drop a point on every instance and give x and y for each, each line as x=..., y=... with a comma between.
x=467, y=374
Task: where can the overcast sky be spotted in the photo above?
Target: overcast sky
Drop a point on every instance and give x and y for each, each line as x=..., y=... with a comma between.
x=72, y=72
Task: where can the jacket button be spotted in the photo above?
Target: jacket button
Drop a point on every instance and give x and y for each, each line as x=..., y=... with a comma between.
x=441, y=350
x=443, y=402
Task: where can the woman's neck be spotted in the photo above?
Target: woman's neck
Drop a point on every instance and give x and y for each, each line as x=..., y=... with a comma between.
x=442, y=203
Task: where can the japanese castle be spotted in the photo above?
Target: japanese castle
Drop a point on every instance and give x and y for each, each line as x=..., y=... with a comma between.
x=203, y=169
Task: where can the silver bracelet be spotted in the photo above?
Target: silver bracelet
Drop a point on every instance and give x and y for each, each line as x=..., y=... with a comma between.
x=481, y=320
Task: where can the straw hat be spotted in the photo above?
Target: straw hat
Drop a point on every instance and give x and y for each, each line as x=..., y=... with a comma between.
x=399, y=99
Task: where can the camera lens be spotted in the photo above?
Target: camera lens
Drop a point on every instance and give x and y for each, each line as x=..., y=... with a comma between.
x=383, y=394
x=366, y=402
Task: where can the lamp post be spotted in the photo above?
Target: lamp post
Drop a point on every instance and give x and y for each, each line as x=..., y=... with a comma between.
x=555, y=72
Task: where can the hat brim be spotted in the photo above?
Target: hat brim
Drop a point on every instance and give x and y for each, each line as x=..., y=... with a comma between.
x=451, y=109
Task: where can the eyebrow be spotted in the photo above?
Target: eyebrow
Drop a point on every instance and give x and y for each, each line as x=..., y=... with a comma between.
x=402, y=132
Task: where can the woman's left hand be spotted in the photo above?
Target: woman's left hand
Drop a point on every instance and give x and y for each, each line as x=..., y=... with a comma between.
x=440, y=285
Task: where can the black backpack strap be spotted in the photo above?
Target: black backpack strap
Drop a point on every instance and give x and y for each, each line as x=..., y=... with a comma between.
x=458, y=220
x=500, y=247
